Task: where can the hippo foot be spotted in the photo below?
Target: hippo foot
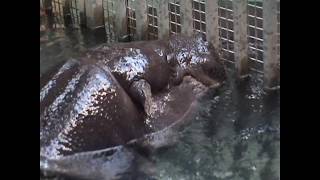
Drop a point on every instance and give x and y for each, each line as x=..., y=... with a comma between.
x=141, y=91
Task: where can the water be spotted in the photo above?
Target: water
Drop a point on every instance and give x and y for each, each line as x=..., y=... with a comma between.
x=60, y=45
x=235, y=136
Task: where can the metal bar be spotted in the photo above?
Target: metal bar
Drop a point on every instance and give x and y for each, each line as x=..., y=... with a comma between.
x=175, y=23
x=120, y=18
x=212, y=22
x=227, y=50
x=256, y=70
x=225, y=39
x=104, y=18
x=254, y=48
x=231, y=20
x=199, y=11
x=225, y=29
x=257, y=17
x=176, y=14
x=70, y=10
x=77, y=12
x=255, y=59
x=108, y=21
x=186, y=17
x=228, y=60
x=152, y=25
x=256, y=38
x=141, y=19
x=240, y=37
x=256, y=27
x=200, y=21
x=271, y=68
x=152, y=16
x=255, y=6
x=230, y=10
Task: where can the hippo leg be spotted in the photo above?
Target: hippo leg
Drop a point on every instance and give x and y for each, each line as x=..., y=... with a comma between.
x=205, y=79
x=141, y=91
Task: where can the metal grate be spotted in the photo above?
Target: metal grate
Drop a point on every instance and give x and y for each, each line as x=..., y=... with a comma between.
x=174, y=17
x=57, y=10
x=278, y=29
x=211, y=20
x=75, y=13
x=152, y=21
x=255, y=35
x=109, y=23
x=226, y=31
x=199, y=16
x=132, y=23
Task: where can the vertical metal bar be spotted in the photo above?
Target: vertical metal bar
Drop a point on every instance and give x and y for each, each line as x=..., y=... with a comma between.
x=120, y=18
x=271, y=70
x=141, y=19
x=240, y=37
x=89, y=12
x=57, y=12
x=76, y=10
x=212, y=22
x=163, y=19
x=85, y=17
x=186, y=16
x=71, y=12
x=104, y=18
x=109, y=36
x=61, y=15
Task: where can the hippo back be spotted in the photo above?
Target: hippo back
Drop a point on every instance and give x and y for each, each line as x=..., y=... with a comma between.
x=83, y=108
x=136, y=60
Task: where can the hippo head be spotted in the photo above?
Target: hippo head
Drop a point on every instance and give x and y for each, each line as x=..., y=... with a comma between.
x=196, y=57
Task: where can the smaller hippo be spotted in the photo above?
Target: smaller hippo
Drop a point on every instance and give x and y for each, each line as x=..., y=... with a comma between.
x=145, y=68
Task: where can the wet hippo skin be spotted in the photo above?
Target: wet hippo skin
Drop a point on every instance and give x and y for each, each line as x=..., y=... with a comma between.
x=93, y=103
x=83, y=108
x=195, y=57
x=158, y=64
x=177, y=107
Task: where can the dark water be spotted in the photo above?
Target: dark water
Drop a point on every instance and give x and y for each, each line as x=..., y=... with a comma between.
x=235, y=136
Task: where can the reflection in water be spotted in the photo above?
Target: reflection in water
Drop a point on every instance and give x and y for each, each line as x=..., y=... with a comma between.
x=236, y=134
